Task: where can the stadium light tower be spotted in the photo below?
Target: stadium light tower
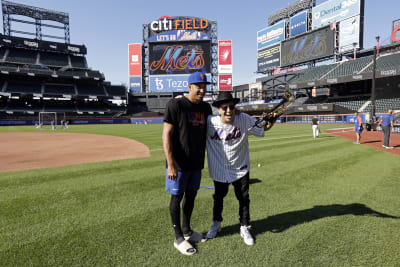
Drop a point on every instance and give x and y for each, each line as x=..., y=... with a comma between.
x=376, y=51
x=354, y=49
x=373, y=85
x=377, y=40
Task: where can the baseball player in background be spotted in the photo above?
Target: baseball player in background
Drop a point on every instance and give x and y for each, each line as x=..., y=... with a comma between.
x=184, y=143
x=315, y=125
x=358, y=127
x=228, y=160
x=387, y=124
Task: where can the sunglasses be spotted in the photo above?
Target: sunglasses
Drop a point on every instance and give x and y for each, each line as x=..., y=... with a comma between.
x=225, y=108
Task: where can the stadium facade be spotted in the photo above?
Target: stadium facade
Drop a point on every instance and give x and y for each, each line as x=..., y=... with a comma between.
x=172, y=49
x=38, y=75
x=317, y=52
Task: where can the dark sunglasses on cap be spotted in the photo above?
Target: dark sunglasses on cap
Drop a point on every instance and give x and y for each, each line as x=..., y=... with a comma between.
x=225, y=108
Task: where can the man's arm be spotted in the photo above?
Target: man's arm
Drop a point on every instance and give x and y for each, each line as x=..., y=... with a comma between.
x=392, y=124
x=167, y=146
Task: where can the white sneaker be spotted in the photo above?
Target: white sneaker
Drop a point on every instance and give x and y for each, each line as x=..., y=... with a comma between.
x=214, y=230
x=245, y=233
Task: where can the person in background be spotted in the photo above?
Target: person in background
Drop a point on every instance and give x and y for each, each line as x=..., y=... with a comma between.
x=184, y=144
x=358, y=127
x=53, y=125
x=315, y=126
x=387, y=122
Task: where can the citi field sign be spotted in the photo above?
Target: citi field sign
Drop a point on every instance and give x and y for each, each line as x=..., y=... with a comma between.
x=167, y=23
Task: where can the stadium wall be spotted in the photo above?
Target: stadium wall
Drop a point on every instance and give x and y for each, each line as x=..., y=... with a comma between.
x=82, y=121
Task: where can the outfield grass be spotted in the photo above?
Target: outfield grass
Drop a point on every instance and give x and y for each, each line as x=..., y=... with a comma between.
x=313, y=203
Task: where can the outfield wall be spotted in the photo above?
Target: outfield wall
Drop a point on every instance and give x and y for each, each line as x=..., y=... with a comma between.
x=27, y=122
x=292, y=119
x=335, y=118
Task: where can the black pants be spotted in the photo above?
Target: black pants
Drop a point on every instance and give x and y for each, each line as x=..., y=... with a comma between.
x=241, y=187
x=386, y=134
x=187, y=209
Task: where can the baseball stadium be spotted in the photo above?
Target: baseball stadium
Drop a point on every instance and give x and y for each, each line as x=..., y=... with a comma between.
x=83, y=166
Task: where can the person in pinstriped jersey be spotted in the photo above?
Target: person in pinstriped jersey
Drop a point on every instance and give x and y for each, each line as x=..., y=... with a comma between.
x=228, y=160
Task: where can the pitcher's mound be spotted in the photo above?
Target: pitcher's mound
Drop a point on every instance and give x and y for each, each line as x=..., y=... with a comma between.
x=26, y=151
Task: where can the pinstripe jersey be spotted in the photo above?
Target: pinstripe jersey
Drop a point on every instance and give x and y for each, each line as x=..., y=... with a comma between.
x=228, y=147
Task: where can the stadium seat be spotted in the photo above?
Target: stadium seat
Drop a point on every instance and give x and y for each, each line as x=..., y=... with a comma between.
x=314, y=74
x=54, y=59
x=78, y=62
x=382, y=105
x=24, y=87
x=59, y=89
x=94, y=90
x=116, y=90
x=3, y=51
x=385, y=62
x=350, y=67
x=22, y=56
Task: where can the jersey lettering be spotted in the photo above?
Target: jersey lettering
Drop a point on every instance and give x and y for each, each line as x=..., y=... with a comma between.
x=222, y=135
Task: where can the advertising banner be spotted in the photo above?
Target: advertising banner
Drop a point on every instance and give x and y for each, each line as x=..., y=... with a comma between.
x=298, y=24
x=179, y=35
x=135, y=59
x=171, y=83
x=334, y=11
x=269, y=57
x=169, y=24
x=225, y=57
x=179, y=58
x=39, y=44
x=349, y=33
x=225, y=82
x=135, y=84
x=396, y=32
x=306, y=47
x=271, y=35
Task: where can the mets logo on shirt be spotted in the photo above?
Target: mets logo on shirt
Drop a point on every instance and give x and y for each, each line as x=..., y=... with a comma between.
x=220, y=134
x=196, y=118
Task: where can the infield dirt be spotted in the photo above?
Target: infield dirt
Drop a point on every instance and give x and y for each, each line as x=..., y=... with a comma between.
x=27, y=151
x=373, y=139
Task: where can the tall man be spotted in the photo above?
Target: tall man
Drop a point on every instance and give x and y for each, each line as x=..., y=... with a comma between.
x=358, y=127
x=184, y=141
x=228, y=160
x=387, y=123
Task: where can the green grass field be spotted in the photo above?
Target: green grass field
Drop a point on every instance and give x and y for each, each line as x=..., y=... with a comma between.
x=326, y=202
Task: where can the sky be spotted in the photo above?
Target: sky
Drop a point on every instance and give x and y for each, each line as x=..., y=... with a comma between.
x=107, y=27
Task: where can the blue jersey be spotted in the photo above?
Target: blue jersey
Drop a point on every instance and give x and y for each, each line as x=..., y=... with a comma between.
x=387, y=119
x=358, y=127
x=357, y=122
